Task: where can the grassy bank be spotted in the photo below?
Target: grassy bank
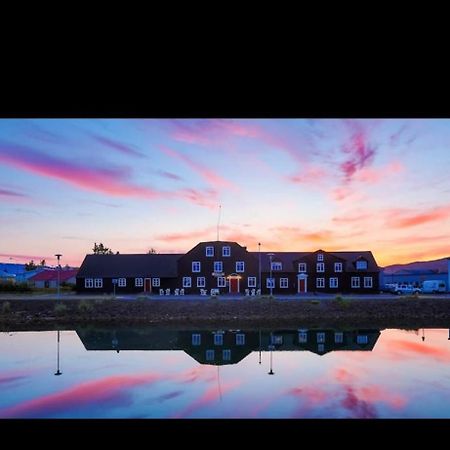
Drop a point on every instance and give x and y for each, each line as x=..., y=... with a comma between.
x=402, y=312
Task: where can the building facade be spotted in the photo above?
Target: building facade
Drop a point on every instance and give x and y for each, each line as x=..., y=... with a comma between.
x=225, y=267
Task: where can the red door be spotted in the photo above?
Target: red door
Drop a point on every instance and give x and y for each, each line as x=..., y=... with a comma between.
x=234, y=285
x=147, y=285
x=301, y=285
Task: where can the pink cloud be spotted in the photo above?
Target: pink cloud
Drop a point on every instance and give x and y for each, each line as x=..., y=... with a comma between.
x=198, y=373
x=207, y=174
x=312, y=175
x=118, y=146
x=86, y=395
x=106, y=181
x=373, y=176
x=401, y=349
x=407, y=218
x=187, y=236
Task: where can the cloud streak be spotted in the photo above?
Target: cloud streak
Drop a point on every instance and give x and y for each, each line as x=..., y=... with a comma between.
x=118, y=146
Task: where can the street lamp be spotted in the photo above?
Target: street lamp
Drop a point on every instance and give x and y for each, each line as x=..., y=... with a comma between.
x=58, y=255
x=271, y=255
x=58, y=372
x=271, y=372
x=259, y=268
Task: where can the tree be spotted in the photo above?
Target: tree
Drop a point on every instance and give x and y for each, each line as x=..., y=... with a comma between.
x=30, y=266
x=152, y=250
x=42, y=263
x=100, y=249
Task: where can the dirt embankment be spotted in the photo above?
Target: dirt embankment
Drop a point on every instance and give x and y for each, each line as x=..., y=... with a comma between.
x=398, y=313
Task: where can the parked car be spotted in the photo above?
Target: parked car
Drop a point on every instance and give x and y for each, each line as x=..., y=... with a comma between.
x=433, y=286
x=406, y=289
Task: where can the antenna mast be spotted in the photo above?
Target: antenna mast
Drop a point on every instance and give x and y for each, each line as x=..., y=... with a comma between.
x=218, y=221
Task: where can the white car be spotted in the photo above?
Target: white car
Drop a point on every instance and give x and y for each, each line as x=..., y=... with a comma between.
x=406, y=289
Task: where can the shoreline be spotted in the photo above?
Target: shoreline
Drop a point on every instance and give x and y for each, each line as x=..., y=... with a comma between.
x=245, y=313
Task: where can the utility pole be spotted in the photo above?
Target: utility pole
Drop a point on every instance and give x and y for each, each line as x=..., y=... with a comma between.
x=58, y=255
x=259, y=270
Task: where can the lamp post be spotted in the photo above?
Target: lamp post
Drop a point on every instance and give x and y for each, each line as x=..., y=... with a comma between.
x=271, y=347
x=58, y=372
x=58, y=255
x=271, y=255
x=260, y=345
x=259, y=268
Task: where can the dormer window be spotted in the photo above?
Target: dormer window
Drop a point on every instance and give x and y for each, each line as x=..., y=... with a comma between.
x=226, y=251
x=209, y=251
x=276, y=265
x=361, y=264
x=319, y=256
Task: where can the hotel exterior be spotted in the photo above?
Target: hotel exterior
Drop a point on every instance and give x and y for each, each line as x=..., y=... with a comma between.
x=225, y=267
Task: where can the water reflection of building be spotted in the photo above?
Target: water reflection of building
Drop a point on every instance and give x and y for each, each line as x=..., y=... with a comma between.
x=223, y=347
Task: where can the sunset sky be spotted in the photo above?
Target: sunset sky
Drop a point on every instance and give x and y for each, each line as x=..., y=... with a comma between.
x=291, y=184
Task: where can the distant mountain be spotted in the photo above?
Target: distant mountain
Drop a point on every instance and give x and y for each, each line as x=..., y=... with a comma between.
x=436, y=266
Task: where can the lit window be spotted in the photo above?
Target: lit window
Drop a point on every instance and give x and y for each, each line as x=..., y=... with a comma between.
x=270, y=282
x=240, y=339
x=361, y=339
x=302, y=267
x=98, y=282
x=196, y=266
x=226, y=251
x=221, y=282
x=338, y=337
x=226, y=355
x=302, y=337
x=320, y=282
x=367, y=282
x=209, y=355
x=156, y=282
x=319, y=256
x=196, y=339
x=284, y=283
x=209, y=251
x=355, y=282
x=333, y=282
x=122, y=282
x=320, y=267
x=276, y=265
x=240, y=266
x=251, y=281
x=88, y=283
x=321, y=337
x=201, y=282
x=218, y=339
x=276, y=340
x=187, y=282
x=218, y=266
x=338, y=267
x=139, y=282
x=361, y=264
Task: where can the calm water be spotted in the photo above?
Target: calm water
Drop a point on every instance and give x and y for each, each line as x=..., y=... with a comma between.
x=147, y=373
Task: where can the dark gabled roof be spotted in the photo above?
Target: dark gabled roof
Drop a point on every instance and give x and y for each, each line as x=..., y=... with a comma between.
x=288, y=258
x=136, y=265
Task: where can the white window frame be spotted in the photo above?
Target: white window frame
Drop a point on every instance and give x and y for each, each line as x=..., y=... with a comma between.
x=88, y=282
x=122, y=282
x=221, y=282
x=284, y=283
x=218, y=339
x=320, y=348
x=138, y=282
x=320, y=283
x=210, y=355
x=156, y=282
x=302, y=337
x=209, y=252
x=368, y=282
x=302, y=266
x=338, y=267
x=320, y=257
x=240, y=266
x=320, y=337
x=334, y=282
x=226, y=253
x=196, y=266
x=251, y=282
x=277, y=265
x=187, y=282
x=196, y=339
x=320, y=267
x=338, y=337
x=240, y=339
x=218, y=264
x=270, y=283
x=355, y=283
x=361, y=264
x=98, y=282
x=201, y=282
x=226, y=355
